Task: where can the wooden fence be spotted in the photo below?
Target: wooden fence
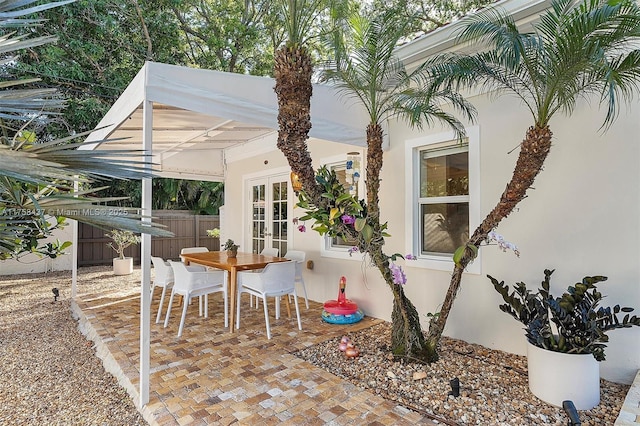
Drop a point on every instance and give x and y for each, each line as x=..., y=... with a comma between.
x=190, y=231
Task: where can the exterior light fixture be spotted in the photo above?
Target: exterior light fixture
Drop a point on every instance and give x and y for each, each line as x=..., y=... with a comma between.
x=296, y=183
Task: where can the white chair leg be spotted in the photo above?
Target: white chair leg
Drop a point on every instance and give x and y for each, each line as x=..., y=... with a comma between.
x=164, y=291
x=206, y=306
x=277, y=306
x=166, y=319
x=238, y=310
x=200, y=305
x=304, y=290
x=226, y=309
x=184, y=314
x=295, y=300
x=266, y=317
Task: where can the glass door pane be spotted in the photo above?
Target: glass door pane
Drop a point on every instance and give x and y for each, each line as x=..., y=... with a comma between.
x=269, y=213
x=258, y=202
x=279, y=219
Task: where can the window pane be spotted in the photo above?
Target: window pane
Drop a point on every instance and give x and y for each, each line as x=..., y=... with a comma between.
x=258, y=193
x=346, y=178
x=341, y=242
x=445, y=227
x=444, y=175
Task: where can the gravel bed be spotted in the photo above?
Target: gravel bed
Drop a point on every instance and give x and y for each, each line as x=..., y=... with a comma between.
x=49, y=374
x=493, y=384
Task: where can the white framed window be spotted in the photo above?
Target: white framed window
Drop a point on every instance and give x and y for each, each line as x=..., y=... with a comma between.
x=349, y=169
x=442, y=178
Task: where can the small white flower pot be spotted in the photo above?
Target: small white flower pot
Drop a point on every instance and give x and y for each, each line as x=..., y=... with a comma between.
x=123, y=266
x=555, y=377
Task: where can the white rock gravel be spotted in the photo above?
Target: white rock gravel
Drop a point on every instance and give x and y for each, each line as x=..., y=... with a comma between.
x=49, y=374
x=493, y=384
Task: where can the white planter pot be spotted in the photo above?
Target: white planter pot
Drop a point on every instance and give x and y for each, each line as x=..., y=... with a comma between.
x=123, y=266
x=555, y=377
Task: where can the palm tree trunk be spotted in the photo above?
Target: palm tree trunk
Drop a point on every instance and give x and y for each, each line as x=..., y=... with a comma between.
x=407, y=339
x=292, y=72
x=533, y=152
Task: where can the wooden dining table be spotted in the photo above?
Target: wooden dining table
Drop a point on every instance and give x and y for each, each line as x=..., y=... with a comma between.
x=242, y=262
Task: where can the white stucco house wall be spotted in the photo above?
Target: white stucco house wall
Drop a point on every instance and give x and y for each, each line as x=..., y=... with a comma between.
x=582, y=218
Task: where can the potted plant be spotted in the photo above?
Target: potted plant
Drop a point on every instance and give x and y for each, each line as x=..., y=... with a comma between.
x=566, y=337
x=231, y=248
x=121, y=240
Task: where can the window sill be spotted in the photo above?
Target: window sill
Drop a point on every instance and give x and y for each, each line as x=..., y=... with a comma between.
x=340, y=254
x=443, y=264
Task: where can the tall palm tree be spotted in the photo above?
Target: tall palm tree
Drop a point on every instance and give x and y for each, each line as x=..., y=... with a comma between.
x=293, y=69
x=577, y=49
x=36, y=178
x=367, y=69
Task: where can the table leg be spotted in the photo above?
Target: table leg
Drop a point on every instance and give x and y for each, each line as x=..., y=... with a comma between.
x=233, y=289
x=286, y=299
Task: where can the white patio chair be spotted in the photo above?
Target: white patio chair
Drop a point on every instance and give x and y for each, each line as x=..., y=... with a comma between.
x=299, y=257
x=200, y=283
x=267, y=251
x=275, y=280
x=270, y=251
x=164, y=278
x=188, y=250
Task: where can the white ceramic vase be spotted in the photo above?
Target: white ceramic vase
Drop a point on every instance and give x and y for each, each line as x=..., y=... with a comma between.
x=123, y=266
x=555, y=377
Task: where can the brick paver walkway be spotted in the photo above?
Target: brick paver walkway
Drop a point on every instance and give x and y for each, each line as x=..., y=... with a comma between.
x=210, y=376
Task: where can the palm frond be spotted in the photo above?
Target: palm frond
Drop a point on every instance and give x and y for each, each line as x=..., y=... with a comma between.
x=11, y=9
x=575, y=50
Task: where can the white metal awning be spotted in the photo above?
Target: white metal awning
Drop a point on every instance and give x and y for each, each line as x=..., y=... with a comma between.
x=199, y=114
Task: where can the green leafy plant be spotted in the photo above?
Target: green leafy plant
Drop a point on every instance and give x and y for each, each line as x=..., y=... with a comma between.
x=572, y=323
x=340, y=214
x=230, y=245
x=122, y=240
x=214, y=233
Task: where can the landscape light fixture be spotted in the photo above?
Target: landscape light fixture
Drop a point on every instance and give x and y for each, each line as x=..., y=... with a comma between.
x=455, y=387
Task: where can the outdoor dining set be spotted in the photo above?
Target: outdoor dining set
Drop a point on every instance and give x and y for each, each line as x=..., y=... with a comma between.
x=202, y=272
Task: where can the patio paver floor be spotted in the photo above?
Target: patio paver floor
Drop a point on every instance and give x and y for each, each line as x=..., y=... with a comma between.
x=210, y=376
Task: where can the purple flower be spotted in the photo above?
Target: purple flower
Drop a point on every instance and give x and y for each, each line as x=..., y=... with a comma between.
x=352, y=250
x=410, y=257
x=295, y=220
x=399, y=276
x=348, y=220
x=302, y=228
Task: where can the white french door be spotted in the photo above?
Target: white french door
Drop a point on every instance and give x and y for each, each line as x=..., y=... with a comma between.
x=269, y=205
